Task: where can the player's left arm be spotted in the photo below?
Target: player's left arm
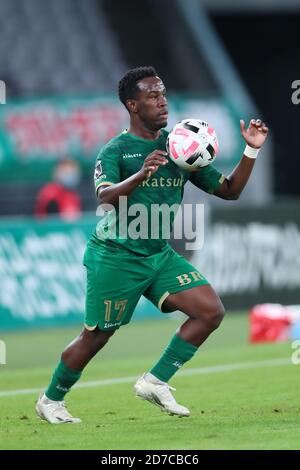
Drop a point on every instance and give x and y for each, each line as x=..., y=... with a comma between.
x=255, y=136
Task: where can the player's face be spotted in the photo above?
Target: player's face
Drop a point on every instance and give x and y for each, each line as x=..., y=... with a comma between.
x=151, y=103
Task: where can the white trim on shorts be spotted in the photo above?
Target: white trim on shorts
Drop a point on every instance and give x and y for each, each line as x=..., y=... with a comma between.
x=162, y=299
x=90, y=328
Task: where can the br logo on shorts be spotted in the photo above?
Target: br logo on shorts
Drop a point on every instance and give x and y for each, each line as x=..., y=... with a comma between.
x=186, y=279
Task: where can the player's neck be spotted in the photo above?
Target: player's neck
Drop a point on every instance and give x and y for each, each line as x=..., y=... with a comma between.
x=141, y=131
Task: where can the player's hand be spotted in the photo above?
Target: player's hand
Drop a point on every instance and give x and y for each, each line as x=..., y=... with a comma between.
x=152, y=162
x=256, y=133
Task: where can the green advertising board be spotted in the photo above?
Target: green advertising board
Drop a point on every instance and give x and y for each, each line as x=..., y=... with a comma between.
x=42, y=276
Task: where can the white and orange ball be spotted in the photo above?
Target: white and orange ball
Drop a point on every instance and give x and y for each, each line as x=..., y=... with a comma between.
x=192, y=144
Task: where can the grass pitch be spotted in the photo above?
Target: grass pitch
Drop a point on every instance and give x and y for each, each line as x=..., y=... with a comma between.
x=241, y=396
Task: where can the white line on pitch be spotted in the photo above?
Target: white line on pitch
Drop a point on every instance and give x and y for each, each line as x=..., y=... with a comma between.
x=187, y=372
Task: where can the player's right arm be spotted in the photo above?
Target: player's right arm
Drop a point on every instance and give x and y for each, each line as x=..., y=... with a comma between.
x=109, y=192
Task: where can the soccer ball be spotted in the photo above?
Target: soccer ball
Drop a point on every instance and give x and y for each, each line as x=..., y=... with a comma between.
x=192, y=144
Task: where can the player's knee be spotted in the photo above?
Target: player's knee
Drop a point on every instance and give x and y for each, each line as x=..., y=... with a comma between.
x=95, y=340
x=214, y=319
x=101, y=338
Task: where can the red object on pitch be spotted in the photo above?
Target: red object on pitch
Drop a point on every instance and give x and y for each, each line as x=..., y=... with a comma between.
x=269, y=323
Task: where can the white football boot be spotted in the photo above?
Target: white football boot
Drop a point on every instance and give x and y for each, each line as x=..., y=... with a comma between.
x=55, y=412
x=159, y=394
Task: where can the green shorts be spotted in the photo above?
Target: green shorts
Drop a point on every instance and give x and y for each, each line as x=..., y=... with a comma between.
x=117, y=278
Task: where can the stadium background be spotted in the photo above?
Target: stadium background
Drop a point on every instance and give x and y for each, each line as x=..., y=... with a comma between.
x=220, y=61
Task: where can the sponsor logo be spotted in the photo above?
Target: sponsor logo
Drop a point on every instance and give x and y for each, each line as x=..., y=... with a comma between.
x=190, y=277
x=110, y=325
x=177, y=364
x=131, y=155
x=162, y=182
x=62, y=389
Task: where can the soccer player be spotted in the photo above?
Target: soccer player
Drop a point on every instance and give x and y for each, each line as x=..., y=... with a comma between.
x=121, y=268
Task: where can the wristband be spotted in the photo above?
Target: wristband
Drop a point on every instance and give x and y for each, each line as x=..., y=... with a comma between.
x=251, y=152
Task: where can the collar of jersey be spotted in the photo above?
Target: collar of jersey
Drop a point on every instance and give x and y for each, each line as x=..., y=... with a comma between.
x=125, y=132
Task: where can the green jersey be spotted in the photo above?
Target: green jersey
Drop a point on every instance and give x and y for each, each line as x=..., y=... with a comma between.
x=142, y=211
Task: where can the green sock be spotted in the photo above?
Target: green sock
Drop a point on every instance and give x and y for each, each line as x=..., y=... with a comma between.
x=62, y=380
x=177, y=353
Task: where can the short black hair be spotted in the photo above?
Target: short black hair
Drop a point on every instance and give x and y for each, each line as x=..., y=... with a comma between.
x=128, y=84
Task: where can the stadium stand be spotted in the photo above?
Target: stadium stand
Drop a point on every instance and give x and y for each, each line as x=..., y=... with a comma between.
x=60, y=47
